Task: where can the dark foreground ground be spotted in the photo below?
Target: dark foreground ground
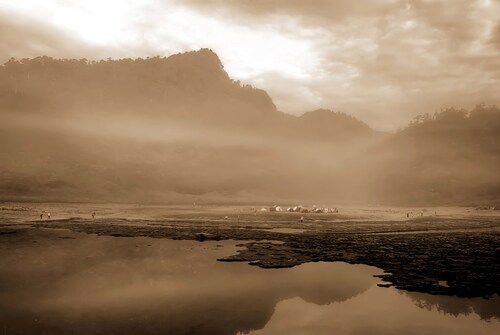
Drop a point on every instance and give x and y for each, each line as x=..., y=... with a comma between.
x=454, y=253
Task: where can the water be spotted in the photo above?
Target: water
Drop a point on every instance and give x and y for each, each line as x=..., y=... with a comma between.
x=60, y=282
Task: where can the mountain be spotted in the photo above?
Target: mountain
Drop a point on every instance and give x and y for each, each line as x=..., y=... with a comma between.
x=452, y=157
x=156, y=129
x=191, y=87
x=323, y=124
x=178, y=128
x=189, y=84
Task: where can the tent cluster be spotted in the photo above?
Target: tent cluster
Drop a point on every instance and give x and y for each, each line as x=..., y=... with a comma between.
x=324, y=210
x=300, y=209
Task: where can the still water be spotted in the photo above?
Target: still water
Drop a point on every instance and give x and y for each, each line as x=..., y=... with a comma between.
x=59, y=282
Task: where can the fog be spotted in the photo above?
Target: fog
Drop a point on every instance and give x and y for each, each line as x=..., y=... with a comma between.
x=132, y=159
x=179, y=129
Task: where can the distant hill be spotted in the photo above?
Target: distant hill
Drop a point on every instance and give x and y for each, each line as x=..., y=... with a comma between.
x=452, y=157
x=323, y=124
x=155, y=129
x=179, y=128
x=190, y=87
x=189, y=84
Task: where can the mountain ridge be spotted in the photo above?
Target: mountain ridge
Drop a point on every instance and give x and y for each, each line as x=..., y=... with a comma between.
x=189, y=85
x=178, y=127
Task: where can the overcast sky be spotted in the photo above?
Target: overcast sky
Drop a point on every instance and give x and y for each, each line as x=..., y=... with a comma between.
x=381, y=61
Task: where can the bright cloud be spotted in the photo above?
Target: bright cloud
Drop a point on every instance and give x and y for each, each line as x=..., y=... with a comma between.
x=382, y=61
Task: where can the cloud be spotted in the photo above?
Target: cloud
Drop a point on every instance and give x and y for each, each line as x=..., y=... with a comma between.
x=382, y=61
x=318, y=10
x=22, y=37
x=495, y=36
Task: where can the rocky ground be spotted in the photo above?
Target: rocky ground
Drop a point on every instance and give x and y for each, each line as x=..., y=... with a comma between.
x=446, y=255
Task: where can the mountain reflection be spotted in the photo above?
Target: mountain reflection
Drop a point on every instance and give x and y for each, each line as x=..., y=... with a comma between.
x=486, y=309
x=378, y=311
x=106, y=285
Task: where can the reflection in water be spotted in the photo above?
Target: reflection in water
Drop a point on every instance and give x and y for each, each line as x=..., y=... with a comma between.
x=149, y=286
x=485, y=309
x=377, y=311
x=59, y=282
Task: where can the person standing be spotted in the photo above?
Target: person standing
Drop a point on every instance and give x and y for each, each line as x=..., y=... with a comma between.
x=41, y=216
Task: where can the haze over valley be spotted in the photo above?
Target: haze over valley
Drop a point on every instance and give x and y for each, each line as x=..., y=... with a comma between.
x=179, y=129
x=261, y=167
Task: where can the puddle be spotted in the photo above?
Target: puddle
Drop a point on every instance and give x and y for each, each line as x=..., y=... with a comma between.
x=71, y=283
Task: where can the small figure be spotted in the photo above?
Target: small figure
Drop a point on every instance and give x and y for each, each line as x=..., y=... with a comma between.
x=48, y=216
x=41, y=216
x=93, y=214
x=301, y=219
x=421, y=213
x=407, y=214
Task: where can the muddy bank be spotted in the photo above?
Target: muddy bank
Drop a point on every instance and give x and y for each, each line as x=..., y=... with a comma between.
x=453, y=257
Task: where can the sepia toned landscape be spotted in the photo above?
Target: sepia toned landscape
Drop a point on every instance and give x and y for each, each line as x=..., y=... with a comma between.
x=250, y=167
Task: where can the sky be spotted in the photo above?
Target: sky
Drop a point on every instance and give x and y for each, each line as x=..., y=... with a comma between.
x=382, y=61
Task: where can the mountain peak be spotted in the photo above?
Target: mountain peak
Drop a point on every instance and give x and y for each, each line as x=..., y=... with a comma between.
x=327, y=124
x=329, y=116
x=206, y=52
x=204, y=57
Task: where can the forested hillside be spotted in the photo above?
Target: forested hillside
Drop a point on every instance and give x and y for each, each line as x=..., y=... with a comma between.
x=451, y=157
x=179, y=128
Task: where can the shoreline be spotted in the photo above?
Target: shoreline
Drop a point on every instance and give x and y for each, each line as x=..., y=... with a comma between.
x=458, y=258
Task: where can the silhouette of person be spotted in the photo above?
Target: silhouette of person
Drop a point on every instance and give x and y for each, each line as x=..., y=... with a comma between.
x=93, y=214
x=41, y=216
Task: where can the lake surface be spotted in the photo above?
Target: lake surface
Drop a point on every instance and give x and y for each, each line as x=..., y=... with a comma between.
x=61, y=282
